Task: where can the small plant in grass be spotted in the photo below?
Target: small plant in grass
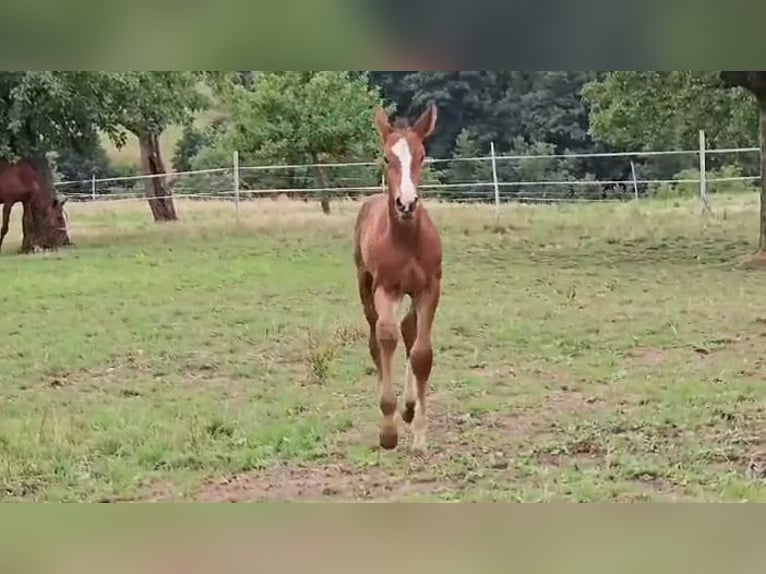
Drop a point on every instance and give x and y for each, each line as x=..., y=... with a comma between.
x=319, y=359
x=322, y=353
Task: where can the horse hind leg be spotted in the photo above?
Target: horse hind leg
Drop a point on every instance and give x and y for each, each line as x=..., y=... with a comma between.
x=409, y=330
x=421, y=362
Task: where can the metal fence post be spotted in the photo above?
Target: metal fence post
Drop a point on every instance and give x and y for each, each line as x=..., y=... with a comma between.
x=495, y=182
x=703, y=174
x=635, y=180
x=235, y=168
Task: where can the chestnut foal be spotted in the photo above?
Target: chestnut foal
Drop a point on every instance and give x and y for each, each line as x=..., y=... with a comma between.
x=397, y=251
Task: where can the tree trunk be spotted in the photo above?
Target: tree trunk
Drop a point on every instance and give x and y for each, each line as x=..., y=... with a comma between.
x=325, y=194
x=757, y=261
x=762, y=132
x=755, y=83
x=157, y=191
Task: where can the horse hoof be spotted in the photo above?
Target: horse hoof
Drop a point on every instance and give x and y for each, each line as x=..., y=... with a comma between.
x=408, y=413
x=389, y=439
x=419, y=450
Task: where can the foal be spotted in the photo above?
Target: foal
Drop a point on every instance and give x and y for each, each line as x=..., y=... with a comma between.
x=397, y=251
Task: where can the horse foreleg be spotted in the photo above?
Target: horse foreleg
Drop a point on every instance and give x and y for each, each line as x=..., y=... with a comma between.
x=421, y=361
x=387, y=335
x=27, y=229
x=6, y=222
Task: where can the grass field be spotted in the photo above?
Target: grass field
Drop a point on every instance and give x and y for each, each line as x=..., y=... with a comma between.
x=592, y=352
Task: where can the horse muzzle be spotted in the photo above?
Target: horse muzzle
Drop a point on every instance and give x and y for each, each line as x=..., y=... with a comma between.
x=405, y=210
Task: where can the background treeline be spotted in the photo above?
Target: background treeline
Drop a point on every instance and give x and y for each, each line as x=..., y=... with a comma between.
x=296, y=118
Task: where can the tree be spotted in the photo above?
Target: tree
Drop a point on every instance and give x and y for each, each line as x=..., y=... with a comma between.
x=295, y=118
x=666, y=110
x=755, y=83
x=536, y=169
x=146, y=103
x=81, y=162
x=461, y=170
x=190, y=143
x=500, y=107
x=46, y=111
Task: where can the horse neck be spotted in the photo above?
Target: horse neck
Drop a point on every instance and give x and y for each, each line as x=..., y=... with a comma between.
x=40, y=202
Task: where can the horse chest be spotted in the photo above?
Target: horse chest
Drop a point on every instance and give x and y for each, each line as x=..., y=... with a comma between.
x=403, y=276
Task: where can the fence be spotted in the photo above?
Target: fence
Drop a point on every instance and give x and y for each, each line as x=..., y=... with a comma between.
x=494, y=178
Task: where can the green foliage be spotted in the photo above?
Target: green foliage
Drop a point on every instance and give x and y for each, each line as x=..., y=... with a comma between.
x=535, y=169
x=295, y=118
x=79, y=163
x=62, y=111
x=687, y=184
x=731, y=187
x=46, y=111
x=499, y=107
x=189, y=145
x=461, y=172
x=666, y=110
x=683, y=186
x=150, y=101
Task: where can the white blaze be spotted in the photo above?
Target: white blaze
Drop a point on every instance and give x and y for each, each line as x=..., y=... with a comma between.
x=407, y=191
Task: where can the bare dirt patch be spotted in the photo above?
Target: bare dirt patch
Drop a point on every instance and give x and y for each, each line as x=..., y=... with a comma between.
x=332, y=481
x=528, y=421
x=744, y=348
x=463, y=448
x=649, y=356
x=495, y=372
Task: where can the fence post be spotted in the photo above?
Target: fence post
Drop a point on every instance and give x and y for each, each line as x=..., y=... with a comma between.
x=703, y=174
x=235, y=169
x=93, y=187
x=494, y=181
x=635, y=180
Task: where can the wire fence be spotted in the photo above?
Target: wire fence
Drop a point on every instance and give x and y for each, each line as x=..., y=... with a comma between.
x=493, y=178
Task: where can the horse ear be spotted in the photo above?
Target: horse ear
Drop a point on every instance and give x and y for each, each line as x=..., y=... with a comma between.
x=426, y=123
x=55, y=202
x=63, y=201
x=382, y=123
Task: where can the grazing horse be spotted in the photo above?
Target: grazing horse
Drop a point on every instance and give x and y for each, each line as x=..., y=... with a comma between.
x=397, y=252
x=20, y=183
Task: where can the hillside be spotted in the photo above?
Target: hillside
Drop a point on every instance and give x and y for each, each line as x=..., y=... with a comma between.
x=129, y=154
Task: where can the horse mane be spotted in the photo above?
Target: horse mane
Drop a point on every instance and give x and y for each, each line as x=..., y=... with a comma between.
x=401, y=123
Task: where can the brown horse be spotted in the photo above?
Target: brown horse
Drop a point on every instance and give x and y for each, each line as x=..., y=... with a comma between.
x=397, y=251
x=20, y=183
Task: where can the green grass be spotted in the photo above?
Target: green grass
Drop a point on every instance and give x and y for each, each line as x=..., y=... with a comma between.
x=598, y=352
